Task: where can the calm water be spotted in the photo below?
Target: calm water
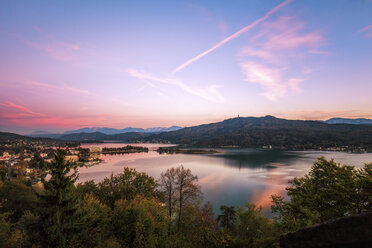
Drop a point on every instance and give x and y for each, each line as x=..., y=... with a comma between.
x=232, y=177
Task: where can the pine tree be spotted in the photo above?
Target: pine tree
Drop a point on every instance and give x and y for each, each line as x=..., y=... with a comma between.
x=58, y=203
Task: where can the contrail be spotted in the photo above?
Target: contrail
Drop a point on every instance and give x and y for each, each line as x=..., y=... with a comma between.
x=233, y=36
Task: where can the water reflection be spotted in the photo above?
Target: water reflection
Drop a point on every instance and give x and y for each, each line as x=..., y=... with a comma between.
x=232, y=177
x=257, y=158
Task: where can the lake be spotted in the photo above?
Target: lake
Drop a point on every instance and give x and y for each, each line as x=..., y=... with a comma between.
x=234, y=176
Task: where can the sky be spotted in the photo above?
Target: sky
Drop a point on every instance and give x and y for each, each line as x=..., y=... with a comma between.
x=71, y=64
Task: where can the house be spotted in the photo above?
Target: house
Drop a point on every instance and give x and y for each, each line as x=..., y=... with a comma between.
x=95, y=149
x=72, y=158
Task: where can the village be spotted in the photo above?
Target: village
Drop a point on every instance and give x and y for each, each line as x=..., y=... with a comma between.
x=23, y=159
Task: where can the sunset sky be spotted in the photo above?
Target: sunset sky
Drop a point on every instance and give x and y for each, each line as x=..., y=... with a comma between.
x=72, y=64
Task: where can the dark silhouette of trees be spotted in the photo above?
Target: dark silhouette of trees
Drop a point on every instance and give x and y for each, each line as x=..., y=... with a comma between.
x=126, y=185
x=328, y=191
x=167, y=184
x=180, y=189
x=131, y=209
x=58, y=203
x=227, y=218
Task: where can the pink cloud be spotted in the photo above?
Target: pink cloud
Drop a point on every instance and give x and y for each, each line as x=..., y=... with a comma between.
x=292, y=39
x=280, y=39
x=319, y=52
x=25, y=111
x=12, y=113
x=65, y=87
x=275, y=49
x=234, y=35
x=49, y=87
x=57, y=50
x=367, y=31
x=209, y=93
x=270, y=80
x=19, y=107
x=313, y=114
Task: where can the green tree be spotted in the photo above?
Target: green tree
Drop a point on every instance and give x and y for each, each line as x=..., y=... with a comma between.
x=141, y=222
x=16, y=198
x=126, y=185
x=3, y=172
x=328, y=191
x=5, y=230
x=58, y=203
x=227, y=218
x=167, y=184
x=253, y=229
x=202, y=229
x=93, y=222
x=365, y=188
x=188, y=191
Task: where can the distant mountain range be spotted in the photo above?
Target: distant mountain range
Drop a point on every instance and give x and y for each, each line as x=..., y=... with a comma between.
x=267, y=131
x=107, y=130
x=98, y=136
x=103, y=130
x=360, y=121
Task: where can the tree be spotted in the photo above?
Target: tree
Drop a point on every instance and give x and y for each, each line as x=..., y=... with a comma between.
x=187, y=189
x=16, y=198
x=227, y=218
x=126, y=185
x=58, y=204
x=365, y=188
x=202, y=228
x=328, y=191
x=253, y=229
x=168, y=186
x=5, y=230
x=140, y=222
x=93, y=222
x=179, y=187
x=3, y=172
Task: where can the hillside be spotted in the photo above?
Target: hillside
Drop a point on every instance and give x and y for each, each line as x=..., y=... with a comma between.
x=103, y=130
x=107, y=130
x=6, y=137
x=268, y=130
x=360, y=121
x=125, y=137
x=9, y=137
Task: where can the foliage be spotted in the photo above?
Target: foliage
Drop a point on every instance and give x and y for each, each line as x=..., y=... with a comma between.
x=5, y=230
x=253, y=229
x=227, y=218
x=56, y=213
x=328, y=191
x=141, y=222
x=167, y=184
x=126, y=185
x=131, y=209
x=268, y=130
x=3, y=172
x=93, y=222
x=180, y=189
x=16, y=198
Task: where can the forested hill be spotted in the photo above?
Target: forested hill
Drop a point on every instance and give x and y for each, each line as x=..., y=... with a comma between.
x=269, y=130
x=360, y=121
x=125, y=137
x=246, y=132
x=11, y=137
